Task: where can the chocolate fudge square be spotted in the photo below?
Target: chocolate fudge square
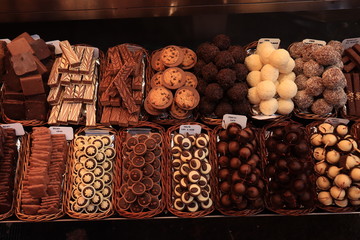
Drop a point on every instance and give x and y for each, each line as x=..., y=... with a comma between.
x=32, y=85
x=14, y=109
x=41, y=49
x=36, y=110
x=18, y=46
x=11, y=81
x=11, y=95
x=23, y=63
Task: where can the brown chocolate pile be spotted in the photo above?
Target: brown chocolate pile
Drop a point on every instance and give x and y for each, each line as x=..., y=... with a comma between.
x=73, y=81
x=27, y=64
x=240, y=177
x=122, y=86
x=8, y=162
x=42, y=183
x=91, y=190
x=289, y=168
x=141, y=189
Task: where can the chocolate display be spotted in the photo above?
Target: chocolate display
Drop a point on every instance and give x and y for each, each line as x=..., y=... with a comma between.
x=221, y=73
x=190, y=189
x=337, y=161
x=241, y=184
x=73, y=81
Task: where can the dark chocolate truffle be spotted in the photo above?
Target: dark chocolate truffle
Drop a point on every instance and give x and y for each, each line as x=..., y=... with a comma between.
x=223, y=108
x=314, y=86
x=207, y=51
x=226, y=78
x=206, y=106
x=300, y=81
x=333, y=78
x=222, y=41
x=224, y=59
x=214, y=92
x=312, y=68
x=299, y=66
x=336, y=97
x=201, y=86
x=241, y=108
x=198, y=66
x=241, y=71
x=237, y=92
x=296, y=49
x=321, y=107
x=303, y=100
x=308, y=51
x=209, y=72
x=238, y=53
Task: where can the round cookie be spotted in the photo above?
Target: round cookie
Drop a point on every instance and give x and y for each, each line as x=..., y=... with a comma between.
x=171, y=56
x=177, y=112
x=160, y=97
x=190, y=80
x=187, y=98
x=190, y=59
x=156, y=80
x=173, y=78
x=156, y=63
x=150, y=109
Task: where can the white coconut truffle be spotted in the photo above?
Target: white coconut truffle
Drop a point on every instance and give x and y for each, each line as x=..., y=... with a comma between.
x=253, y=62
x=253, y=96
x=287, y=89
x=276, y=83
x=287, y=76
x=269, y=73
x=264, y=50
x=279, y=58
x=266, y=90
x=285, y=106
x=289, y=66
x=253, y=78
x=269, y=107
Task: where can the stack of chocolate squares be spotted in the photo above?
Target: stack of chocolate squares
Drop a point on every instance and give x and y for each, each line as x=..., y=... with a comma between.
x=73, y=81
x=27, y=65
x=41, y=193
x=8, y=156
x=2, y=59
x=122, y=86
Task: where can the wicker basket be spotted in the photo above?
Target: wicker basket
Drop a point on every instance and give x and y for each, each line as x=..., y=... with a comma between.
x=219, y=207
x=311, y=128
x=169, y=185
x=312, y=116
x=264, y=154
x=22, y=168
x=119, y=168
x=70, y=179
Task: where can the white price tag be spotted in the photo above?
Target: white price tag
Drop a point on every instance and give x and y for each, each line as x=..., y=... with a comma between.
x=231, y=118
x=314, y=41
x=349, y=42
x=5, y=40
x=68, y=131
x=56, y=44
x=35, y=36
x=190, y=129
x=274, y=41
x=19, y=129
x=337, y=121
x=90, y=132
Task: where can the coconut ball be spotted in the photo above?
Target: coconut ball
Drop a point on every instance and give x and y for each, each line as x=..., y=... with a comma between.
x=300, y=81
x=268, y=107
x=269, y=73
x=276, y=83
x=321, y=107
x=214, y=92
x=253, y=62
x=312, y=68
x=266, y=90
x=224, y=59
x=327, y=55
x=222, y=41
x=299, y=66
x=287, y=76
x=238, y=53
x=287, y=89
x=279, y=58
x=303, y=100
x=336, y=97
x=201, y=86
x=253, y=78
x=241, y=71
x=226, y=78
x=333, y=78
x=238, y=92
x=223, y=108
x=296, y=49
x=253, y=96
x=286, y=106
x=209, y=72
x=207, y=51
x=308, y=51
x=241, y=108
x=264, y=50
x=289, y=67
x=314, y=86
x=337, y=45
x=339, y=64
x=206, y=106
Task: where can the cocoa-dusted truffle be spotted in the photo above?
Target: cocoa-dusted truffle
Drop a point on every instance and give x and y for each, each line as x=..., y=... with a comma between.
x=312, y=68
x=241, y=108
x=226, y=78
x=314, y=86
x=337, y=45
x=321, y=107
x=326, y=55
x=214, y=92
x=333, y=78
x=336, y=97
x=224, y=59
x=198, y=66
x=222, y=41
x=300, y=81
x=209, y=72
x=308, y=51
x=303, y=100
x=201, y=86
x=241, y=71
x=223, y=108
x=299, y=66
x=238, y=53
x=238, y=92
x=206, y=106
x=296, y=49
x=207, y=51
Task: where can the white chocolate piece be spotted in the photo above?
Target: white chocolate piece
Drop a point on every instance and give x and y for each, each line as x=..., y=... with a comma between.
x=269, y=107
x=253, y=96
x=288, y=67
x=264, y=50
x=286, y=76
x=285, y=106
x=279, y=58
x=287, y=89
x=269, y=73
x=253, y=62
x=266, y=90
x=253, y=78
